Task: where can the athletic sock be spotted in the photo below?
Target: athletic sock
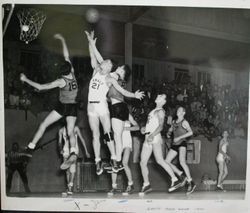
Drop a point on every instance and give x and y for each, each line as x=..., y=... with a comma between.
x=70, y=184
x=180, y=174
x=31, y=145
x=130, y=183
x=189, y=180
x=114, y=185
x=97, y=160
x=174, y=179
x=72, y=149
x=145, y=184
x=113, y=157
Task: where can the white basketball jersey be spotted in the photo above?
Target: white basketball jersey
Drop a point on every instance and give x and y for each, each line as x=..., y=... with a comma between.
x=153, y=121
x=98, y=88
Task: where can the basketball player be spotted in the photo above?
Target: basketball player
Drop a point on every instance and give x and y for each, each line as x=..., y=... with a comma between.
x=153, y=143
x=222, y=159
x=97, y=102
x=64, y=150
x=66, y=106
x=181, y=131
x=119, y=109
x=129, y=125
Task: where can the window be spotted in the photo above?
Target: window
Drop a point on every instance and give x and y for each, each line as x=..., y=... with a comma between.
x=181, y=75
x=193, y=151
x=137, y=73
x=204, y=78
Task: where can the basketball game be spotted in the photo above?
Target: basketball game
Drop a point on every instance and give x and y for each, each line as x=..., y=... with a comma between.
x=135, y=103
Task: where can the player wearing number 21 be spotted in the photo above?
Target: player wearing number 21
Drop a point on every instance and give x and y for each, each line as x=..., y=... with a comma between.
x=66, y=105
x=98, y=111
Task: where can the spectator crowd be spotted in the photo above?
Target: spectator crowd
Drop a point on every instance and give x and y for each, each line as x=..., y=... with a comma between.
x=209, y=108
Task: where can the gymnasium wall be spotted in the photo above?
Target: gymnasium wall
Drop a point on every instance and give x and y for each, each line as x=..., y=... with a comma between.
x=45, y=176
x=166, y=70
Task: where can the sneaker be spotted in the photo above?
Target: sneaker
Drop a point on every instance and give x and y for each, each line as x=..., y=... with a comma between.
x=70, y=191
x=107, y=166
x=28, y=152
x=120, y=166
x=175, y=185
x=191, y=187
x=183, y=180
x=129, y=190
x=220, y=188
x=145, y=190
x=64, y=194
x=113, y=191
x=99, y=168
x=67, y=163
x=114, y=165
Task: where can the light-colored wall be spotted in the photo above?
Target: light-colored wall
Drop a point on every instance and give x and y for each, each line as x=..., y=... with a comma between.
x=45, y=176
x=161, y=70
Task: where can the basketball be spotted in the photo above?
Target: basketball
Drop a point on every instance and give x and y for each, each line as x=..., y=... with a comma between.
x=25, y=28
x=92, y=15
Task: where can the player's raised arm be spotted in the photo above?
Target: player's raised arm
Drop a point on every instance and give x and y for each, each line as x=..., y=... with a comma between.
x=54, y=84
x=137, y=94
x=94, y=62
x=92, y=43
x=65, y=49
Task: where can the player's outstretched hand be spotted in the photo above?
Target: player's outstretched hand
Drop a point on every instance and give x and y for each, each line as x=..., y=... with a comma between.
x=90, y=36
x=139, y=95
x=58, y=36
x=87, y=155
x=23, y=77
x=150, y=138
x=143, y=130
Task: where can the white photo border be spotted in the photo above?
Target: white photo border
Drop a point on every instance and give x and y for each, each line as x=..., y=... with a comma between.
x=121, y=205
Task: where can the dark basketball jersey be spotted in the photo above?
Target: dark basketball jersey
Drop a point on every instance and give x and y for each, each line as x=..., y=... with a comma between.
x=114, y=93
x=68, y=93
x=179, y=130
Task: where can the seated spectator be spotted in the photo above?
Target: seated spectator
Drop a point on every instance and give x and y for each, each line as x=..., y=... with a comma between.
x=195, y=105
x=239, y=131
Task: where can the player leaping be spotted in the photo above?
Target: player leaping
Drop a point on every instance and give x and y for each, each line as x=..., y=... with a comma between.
x=66, y=106
x=97, y=102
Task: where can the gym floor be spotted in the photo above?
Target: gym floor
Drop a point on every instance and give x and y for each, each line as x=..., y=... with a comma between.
x=197, y=195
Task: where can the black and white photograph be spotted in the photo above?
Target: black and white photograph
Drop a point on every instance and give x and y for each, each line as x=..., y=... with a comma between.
x=124, y=107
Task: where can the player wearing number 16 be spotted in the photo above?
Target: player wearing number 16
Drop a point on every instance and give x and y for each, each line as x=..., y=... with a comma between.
x=66, y=106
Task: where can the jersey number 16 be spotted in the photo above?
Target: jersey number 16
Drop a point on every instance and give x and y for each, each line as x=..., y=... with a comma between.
x=72, y=86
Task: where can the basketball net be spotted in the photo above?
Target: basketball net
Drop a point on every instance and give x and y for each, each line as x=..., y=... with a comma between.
x=31, y=22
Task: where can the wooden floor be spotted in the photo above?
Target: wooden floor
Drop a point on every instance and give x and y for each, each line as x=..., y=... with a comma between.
x=197, y=195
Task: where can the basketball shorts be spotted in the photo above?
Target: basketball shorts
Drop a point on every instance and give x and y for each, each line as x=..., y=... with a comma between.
x=126, y=140
x=98, y=108
x=220, y=157
x=66, y=109
x=176, y=147
x=119, y=111
x=157, y=139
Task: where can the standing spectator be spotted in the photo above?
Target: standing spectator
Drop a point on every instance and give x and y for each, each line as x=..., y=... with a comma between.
x=17, y=161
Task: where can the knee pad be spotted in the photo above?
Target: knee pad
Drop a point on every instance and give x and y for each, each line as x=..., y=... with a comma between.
x=108, y=137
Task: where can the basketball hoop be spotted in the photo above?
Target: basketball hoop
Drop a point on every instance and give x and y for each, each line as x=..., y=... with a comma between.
x=31, y=22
